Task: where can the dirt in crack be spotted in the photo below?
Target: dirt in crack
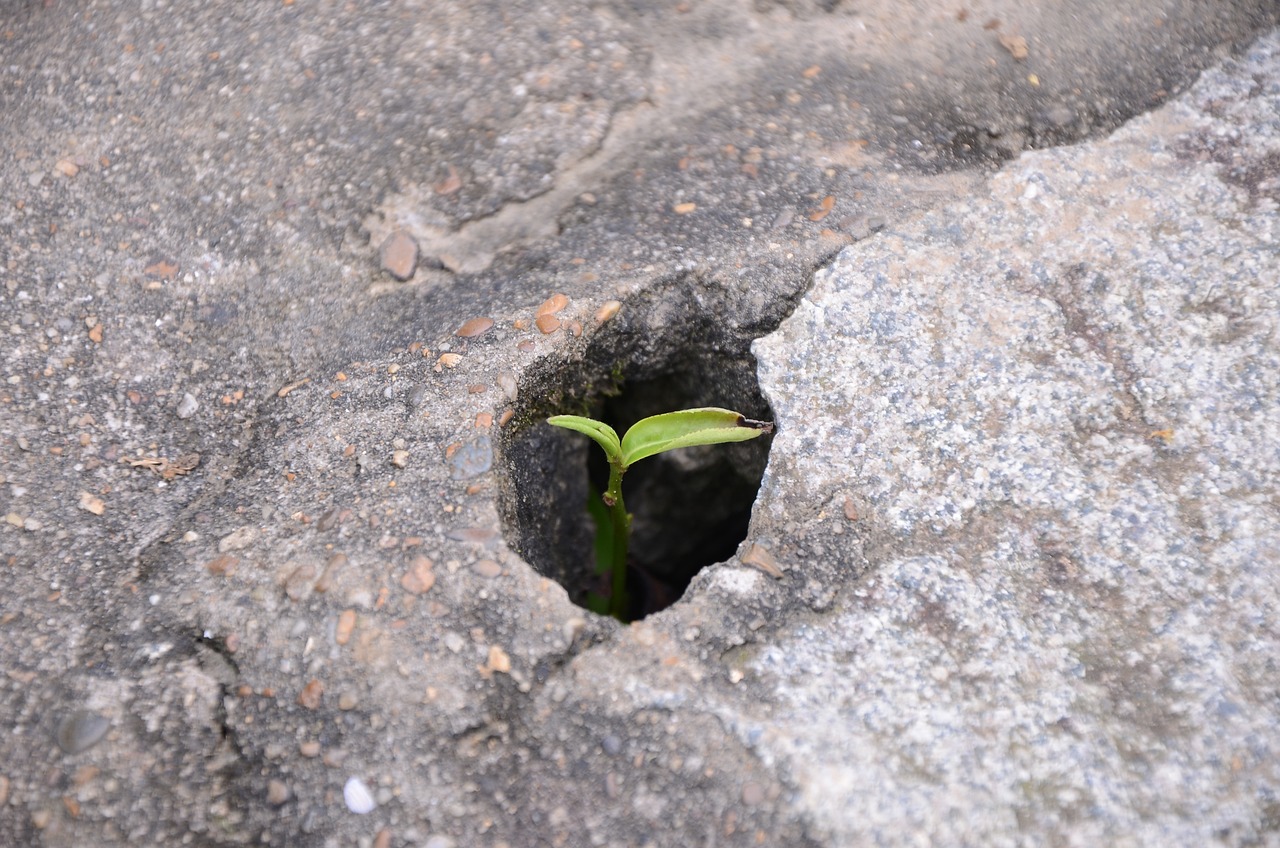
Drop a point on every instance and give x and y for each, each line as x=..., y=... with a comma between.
x=690, y=507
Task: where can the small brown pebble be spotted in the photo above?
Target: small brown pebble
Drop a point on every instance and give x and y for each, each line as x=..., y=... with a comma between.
x=498, y=660
x=548, y=324
x=607, y=310
x=484, y=420
x=311, y=694
x=448, y=360
x=551, y=305
x=477, y=388
x=399, y=255
x=575, y=329
x=525, y=346
x=224, y=565
x=684, y=208
x=95, y=334
x=759, y=556
x=521, y=324
x=325, y=580
x=277, y=792
x=475, y=327
x=400, y=458
x=346, y=624
x=383, y=839
x=850, y=510
x=506, y=416
x=419, y=578
x=347, y=701
x=67, y=168
x=92, y=504
x=487, y=568
x=310, y=748
x=752, y=794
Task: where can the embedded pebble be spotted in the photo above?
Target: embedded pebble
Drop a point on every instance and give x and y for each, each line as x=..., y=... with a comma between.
x=359, y=799
x=438, y=841
x=498, y=660
x=400, y=458
x=346, y=624
x=472, y=459
x=607, y=310
x=277, y=792
x=547, y=324
x=475, y=327
x=309, y=749
x=487, y=568
x=419, y=578
x=399, y=255
x=507, y=383
x=238, y=539
x=309, y=697
x=187, y=406
x=347, y=701
x=81, y=730
x=552, y=305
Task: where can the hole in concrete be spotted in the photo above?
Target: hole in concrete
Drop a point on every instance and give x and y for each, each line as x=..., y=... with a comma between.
x=691, y=508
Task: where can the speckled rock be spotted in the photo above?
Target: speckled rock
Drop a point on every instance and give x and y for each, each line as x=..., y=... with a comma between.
x=1054, y=409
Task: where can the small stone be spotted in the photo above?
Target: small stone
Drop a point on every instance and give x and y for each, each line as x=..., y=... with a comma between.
x=277, y=792
x=67, y=168
x=346, y=624
x=347, y=701
x=92, y=504
x=382, y=839
x=684, y=208
x=438, y=841
x=472, y=459
x=547, y=324
x=187, y=406
x=752, y=794
x=448, y=360
x=850, y=509
x=399, y=255
x=607, y=310
x=81, y=730
x=400, y=458
x=507, y=383
x=95, y=334
x=223, y=565
x=487, y=568
x=551, y=305
x=237, y=540
x=310, y=748
x=359, y=799
x=419, y=578
x=759, y=556
x=310, y=696
x=498, y=660
x=475, y=327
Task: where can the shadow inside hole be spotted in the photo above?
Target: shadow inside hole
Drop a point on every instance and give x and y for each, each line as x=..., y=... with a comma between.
x=690, y=507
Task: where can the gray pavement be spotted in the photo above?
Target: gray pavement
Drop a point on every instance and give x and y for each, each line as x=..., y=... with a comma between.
x=290, y=559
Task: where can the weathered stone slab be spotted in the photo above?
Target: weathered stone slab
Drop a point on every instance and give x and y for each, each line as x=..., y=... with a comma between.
x=1054, y=410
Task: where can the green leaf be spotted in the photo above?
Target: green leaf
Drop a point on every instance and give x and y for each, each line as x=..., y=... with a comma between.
x=686, y=428
x=598, y=430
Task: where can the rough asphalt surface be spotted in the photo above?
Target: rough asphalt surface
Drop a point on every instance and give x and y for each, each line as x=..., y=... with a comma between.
x=290, y=559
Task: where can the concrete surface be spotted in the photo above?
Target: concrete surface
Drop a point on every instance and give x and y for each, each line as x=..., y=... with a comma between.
x=281, y=546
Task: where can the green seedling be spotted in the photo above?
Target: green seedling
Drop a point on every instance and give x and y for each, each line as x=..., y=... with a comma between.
x=647, y=437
